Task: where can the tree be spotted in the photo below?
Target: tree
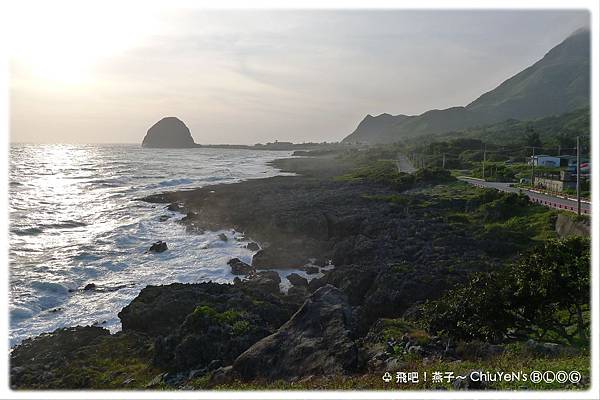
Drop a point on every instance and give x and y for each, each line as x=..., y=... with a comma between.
x=532, y=137
x=550, y=282
x=566, y=142
x=473, y=311
x=544, y=294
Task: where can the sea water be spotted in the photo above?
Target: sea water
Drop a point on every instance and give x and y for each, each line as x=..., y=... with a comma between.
x=76, y=218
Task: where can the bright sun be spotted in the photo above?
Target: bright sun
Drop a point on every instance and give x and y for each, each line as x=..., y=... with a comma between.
x=61, y=42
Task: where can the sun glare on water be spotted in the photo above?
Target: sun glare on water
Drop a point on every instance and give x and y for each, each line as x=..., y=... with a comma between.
x=61, y=42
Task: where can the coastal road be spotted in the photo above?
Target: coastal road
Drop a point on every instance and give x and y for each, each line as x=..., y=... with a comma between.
x=559, y=203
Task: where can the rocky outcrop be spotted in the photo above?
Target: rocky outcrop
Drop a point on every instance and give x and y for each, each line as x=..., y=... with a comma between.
x=297, y=280
x=158, y=247
x=299, y=218
x=238, y=267
x=568, y=226
x=160, y=310
x=195, y=324
x=317, y=340
x=263, y=282
x=169, y=132
x=75, y=358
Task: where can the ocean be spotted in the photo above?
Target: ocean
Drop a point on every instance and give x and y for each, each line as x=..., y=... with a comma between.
x=75, y=219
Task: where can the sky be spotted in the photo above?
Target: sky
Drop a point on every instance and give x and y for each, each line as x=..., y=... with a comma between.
x=95, y=74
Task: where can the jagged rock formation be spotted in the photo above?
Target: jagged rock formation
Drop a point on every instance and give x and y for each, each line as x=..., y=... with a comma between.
x=317, y=340
x=567, y=226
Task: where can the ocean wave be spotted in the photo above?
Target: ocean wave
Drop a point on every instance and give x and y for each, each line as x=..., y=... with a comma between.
x=51, y=287
x=85, y=256
x=18, y=313
x=110, y=250
x=217, y=178
x=175, y=182
x=106, y=182
x=64, y=225
x=27, y=231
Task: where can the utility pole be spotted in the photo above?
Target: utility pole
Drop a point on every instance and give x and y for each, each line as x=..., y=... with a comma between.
x=483, y=164
x=444, y=161
x=532, y=165
x=578, y=179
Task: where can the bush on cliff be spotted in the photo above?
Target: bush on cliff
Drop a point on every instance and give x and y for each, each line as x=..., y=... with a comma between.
x=386, y=172
x=544, y=294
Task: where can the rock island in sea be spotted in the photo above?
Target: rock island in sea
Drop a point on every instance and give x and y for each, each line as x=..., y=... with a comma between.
x=169, y=132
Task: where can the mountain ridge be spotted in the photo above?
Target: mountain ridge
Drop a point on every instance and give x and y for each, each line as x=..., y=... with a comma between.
x=557, y=83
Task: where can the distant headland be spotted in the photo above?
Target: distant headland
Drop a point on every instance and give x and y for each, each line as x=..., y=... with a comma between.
x=173, y=133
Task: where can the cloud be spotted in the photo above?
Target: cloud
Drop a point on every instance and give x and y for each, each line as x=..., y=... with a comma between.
x=252, y=76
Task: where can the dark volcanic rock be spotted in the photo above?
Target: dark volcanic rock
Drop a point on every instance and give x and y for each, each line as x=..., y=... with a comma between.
x=252, y=246
x=317, y=340
x=159, y=310
x=68, y=358
x=169, y=132
x=311, y=269
x=158, y=247
x=238, y=267
x=205, y=322
x=90, y=286
x=297, y=280
x=279, y=257
x=49, y=351
x=354, y=280
x=265, y=281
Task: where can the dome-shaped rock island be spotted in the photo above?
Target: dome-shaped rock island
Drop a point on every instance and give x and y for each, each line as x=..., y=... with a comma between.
x=169, y=132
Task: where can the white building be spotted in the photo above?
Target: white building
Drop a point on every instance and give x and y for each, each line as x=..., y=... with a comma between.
x=543, y=160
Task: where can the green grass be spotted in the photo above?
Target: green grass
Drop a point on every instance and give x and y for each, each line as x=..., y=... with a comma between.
x=395, y=199
x=496, y=215
x=381, y=172
x=396, y=328
x=226, y=317
x=116, y=362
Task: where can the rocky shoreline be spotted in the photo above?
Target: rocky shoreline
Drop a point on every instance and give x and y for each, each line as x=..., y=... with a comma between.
x=389, y=256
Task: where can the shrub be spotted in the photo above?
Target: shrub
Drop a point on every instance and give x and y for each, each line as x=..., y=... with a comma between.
x=503, y=207
x=544, y=294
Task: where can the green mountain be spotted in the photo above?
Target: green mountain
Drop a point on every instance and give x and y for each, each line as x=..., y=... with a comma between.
x=556, y=84
x=552, y=130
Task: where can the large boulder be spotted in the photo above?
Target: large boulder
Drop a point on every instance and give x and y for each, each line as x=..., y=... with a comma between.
x=238, y=267
x=317, y=340
x=161, y=310
x=569, y=226
x=297, y=280
x=158, y=247
x=169, y=132
x=195, y=324
x=264, y=282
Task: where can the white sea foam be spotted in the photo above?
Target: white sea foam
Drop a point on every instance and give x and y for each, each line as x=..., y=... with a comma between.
x=70, y=228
